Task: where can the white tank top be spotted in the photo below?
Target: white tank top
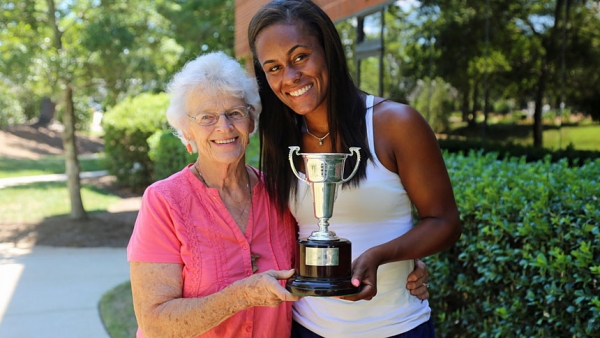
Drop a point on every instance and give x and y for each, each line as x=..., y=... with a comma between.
x=376, y=212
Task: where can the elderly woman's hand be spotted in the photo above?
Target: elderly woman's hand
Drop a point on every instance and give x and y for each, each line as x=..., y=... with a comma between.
x=264, y=289
x=417, y=281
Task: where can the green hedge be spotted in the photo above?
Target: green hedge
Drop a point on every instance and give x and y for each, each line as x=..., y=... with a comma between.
x=127, y=128
x=528, y=262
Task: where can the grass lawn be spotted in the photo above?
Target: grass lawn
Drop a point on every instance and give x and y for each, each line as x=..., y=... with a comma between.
x=116, y=311
x=47, y=199
x=581, y=137
x=586, y=137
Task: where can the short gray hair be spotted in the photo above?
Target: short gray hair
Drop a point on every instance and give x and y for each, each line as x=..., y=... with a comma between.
x=214, y=71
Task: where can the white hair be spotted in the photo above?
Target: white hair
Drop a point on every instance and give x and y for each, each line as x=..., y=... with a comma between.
x=214, y=71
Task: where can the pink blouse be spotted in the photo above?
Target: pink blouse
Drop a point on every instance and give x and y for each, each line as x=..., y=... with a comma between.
x=182, y=221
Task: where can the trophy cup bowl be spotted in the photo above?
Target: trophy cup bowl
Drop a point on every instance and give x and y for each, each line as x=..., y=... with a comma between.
x=323, y=260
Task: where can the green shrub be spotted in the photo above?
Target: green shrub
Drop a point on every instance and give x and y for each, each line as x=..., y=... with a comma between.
x=503, y=106
x=528, y=262
x=127, y=128
x=434, y=100
x=11, y=111
x=253, y=151
x=168, y=154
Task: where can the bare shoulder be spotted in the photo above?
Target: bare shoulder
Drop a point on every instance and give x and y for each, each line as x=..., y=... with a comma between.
x=395, y=114
x=399, y=129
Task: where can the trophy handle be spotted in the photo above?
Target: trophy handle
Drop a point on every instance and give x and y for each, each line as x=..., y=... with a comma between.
x=297, y=150
x=355, y=150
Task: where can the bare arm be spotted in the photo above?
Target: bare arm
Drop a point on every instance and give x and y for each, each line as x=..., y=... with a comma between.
x=161, y=310
x=410, y=149
x=405, y=144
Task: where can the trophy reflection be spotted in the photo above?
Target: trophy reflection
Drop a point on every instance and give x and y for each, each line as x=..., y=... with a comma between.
x=323, y=260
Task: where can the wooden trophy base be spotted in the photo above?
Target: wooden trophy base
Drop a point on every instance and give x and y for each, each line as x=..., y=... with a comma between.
x=323, y=269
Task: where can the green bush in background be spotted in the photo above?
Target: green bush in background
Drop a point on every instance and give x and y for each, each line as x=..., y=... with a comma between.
x=168, y=154
x=434, y=100
x=528, y=262
x=127, y=128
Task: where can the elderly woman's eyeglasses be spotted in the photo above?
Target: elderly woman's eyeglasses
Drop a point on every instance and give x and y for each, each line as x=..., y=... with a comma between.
x=232, y=114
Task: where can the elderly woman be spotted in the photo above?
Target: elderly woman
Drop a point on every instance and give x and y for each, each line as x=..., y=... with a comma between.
x=209, y=252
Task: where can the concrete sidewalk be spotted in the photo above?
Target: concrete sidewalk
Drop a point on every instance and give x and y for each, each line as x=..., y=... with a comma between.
x=54, y=292
x=12, y=181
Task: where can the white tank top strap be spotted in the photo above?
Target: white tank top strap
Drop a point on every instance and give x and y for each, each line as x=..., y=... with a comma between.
x=369, y=123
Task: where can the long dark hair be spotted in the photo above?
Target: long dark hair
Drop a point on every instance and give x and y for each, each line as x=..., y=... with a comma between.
x=280, y=127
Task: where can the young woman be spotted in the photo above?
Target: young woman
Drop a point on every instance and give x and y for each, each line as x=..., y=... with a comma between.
x=309, y=100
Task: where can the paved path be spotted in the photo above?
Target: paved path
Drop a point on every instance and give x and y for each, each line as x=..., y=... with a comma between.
x=54, y=292
x=7, y=182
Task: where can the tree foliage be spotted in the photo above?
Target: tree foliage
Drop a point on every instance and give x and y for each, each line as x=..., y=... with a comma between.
x=501, y=50
x=199, y=26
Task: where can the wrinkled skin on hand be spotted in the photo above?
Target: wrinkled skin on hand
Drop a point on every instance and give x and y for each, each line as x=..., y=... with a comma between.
x=364, y=270
x=264, y=289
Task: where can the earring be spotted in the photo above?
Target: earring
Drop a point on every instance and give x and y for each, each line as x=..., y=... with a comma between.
x=188, y=146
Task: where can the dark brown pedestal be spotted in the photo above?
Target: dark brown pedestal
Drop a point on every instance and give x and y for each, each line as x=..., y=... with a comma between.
x=323, y=269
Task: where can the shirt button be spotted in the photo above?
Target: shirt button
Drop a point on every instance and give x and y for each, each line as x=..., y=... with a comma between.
x=248, y=328
x=245, y=247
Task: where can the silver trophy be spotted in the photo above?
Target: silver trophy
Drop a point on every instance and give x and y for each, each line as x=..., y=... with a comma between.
x=323, y=261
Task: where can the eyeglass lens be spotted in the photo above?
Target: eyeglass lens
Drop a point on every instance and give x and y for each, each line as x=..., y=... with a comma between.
x=233, y=114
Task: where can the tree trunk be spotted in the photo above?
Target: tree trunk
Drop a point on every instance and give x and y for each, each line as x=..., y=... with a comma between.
x=549, y=57
x=68, y=135
x=71, y=161
x=538, y=125
x=486, y=99
x=465, y=104
x=473, y=116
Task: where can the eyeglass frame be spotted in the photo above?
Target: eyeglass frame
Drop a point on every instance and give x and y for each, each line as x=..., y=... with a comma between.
x=246, y=111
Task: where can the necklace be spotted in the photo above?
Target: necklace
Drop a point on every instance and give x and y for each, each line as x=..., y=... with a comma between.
x=247, y=186
x=315, y=136
x=200, y=174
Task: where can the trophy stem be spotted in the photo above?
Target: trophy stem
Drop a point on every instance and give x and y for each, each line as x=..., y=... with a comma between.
x=323, y=225
x=323, y=234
